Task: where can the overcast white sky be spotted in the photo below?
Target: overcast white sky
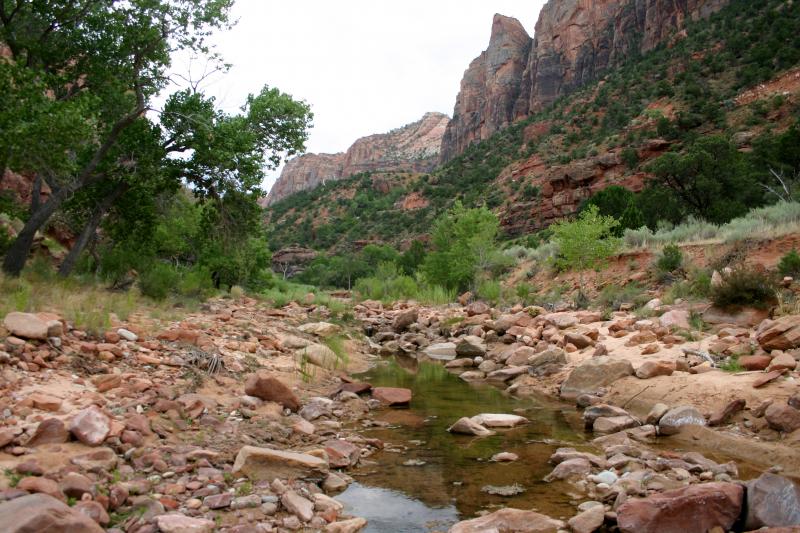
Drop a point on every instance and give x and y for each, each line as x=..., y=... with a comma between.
x=365, y=66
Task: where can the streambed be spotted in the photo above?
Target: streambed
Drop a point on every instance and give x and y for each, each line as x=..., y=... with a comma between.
x=443, y=476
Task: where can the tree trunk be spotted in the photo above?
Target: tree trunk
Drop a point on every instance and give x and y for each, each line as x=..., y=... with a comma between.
x=89, y=229
x=17, y=254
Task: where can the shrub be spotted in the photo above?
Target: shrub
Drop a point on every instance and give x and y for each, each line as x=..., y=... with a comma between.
x=745, y=286
x=489, y=290
x=158, y=280
x=789, y=264
x=523, y=291
x=613, y=296
x=670, y=259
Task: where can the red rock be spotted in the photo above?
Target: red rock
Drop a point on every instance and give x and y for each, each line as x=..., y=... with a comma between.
x=117, y=496
x=218, y=501
x=75, y=485
x=106, y=382
x=755, y=362
x=26, y=325
x=341, y=453
x=651, y=369
x=45, y=402
x=355, y=388
x=780, y=334
x=7, y=435
x=43, y=513
x=766, y=378
x=722, y=415
x=782, y=417
x=477, y=308
x=405, y=319
x=271, y=389
x=91, y=426
x=41, y=484
x=93, y=510
x=392, y=395
x=691, y=509
x=508, y=520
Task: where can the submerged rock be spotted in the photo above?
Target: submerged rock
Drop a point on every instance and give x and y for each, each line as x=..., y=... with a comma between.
x=392, y=395
x=503, y=490
x=509, y=519
x=466, y=426
x=492, y=420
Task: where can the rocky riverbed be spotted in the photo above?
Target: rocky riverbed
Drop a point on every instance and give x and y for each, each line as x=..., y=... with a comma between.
x=245, y=418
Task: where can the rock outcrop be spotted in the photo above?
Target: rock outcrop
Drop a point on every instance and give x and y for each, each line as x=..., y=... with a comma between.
x=411, y=148
x=575, y=42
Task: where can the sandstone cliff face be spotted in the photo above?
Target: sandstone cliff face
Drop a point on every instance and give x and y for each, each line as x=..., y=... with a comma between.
x=575, y=42
x=412, y=148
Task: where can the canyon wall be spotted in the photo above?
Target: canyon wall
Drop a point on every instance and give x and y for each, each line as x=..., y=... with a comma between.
x=412, y=148
x=575, y=41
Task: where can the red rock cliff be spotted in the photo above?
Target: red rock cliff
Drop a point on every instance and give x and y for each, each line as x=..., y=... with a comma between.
x=574, y=43
x=414, y=147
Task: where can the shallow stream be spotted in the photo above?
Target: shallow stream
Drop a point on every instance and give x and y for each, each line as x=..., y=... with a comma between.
x=444, y=474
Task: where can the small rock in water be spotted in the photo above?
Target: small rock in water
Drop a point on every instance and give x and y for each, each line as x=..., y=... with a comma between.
x=503, y=490
x=414, y=462
x=504, y=457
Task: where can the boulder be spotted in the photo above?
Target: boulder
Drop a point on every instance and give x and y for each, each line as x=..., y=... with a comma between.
x=509, y=519
x=570, y=468
x=43, y=513
x=265, y=464
x=725, y=413
x=319, y=355
x=298, y=505
x=589, y=520
x=466, y=426
x=783, y=361
x=91, y=426
x=674, y=419
x=392, y=395
x=471, y=346
x=341, y=453
x=755, y=362
x=651, y=369
x=675, y=319
x=551, y=356
x=745, y=317
x=494, y=420
x=178, y=523
x=593, y=412
x=612, y=424
x=405, y=319
x=780, y=334
x=578, y=340
x=691, y=509
x=477, y=308
x=30, y=326
x=320, y=329
x=782, y=417
x=772, y=501
x=593, y=374
x=49, y=431
x=561, y=320
x=271, y=389
x=441, y=351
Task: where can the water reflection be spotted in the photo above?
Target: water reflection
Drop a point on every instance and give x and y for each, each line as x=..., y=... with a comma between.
x=448, y=486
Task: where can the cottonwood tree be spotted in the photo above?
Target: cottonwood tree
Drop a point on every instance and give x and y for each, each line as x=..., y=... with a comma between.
x=75, y=77
x=586, y=242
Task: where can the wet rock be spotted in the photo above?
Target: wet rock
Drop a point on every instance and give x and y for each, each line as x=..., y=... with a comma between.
x=466, y=426
x=178, y=523
x=780, y=334
x=695, y=508
x=471, y=346
x=392, y=395
x=442, y=351
x=91, y=426
x=651, y=369
x=43, y=513
x=346, y=526
x=772, y=501
x=782, y=417
x=341, y=453
x=264, y=464
x=593, y=374
x=355, y=387
x=674, y=419
x=611, y=424
x=578, y=467
x=497, y=420
x=49, y=431
x=656, y=412
x=404, y=320
x=755, y=362
x=725, y=413
x=30, y=326
x=509, y=519
x=297, y=505
x=589, y=520
x=271, y=389
x=503, y=490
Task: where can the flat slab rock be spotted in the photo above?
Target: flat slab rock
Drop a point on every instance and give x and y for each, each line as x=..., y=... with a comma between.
x=466, y=426
x=509, y=519
x=496, y=420
x=695, y=508
x=40, y=512
x=265, y=464
x=392, y=395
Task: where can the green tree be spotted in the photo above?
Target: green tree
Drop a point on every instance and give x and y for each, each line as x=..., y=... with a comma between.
x=464, y=242
x=586, y=242
x=412, y=258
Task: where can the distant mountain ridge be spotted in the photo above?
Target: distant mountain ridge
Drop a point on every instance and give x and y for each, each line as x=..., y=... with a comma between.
x=411, y=148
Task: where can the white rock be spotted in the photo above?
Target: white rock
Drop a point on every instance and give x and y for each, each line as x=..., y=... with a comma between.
x=127, y=335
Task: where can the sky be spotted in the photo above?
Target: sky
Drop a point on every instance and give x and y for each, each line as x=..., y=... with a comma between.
x=364, y=66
